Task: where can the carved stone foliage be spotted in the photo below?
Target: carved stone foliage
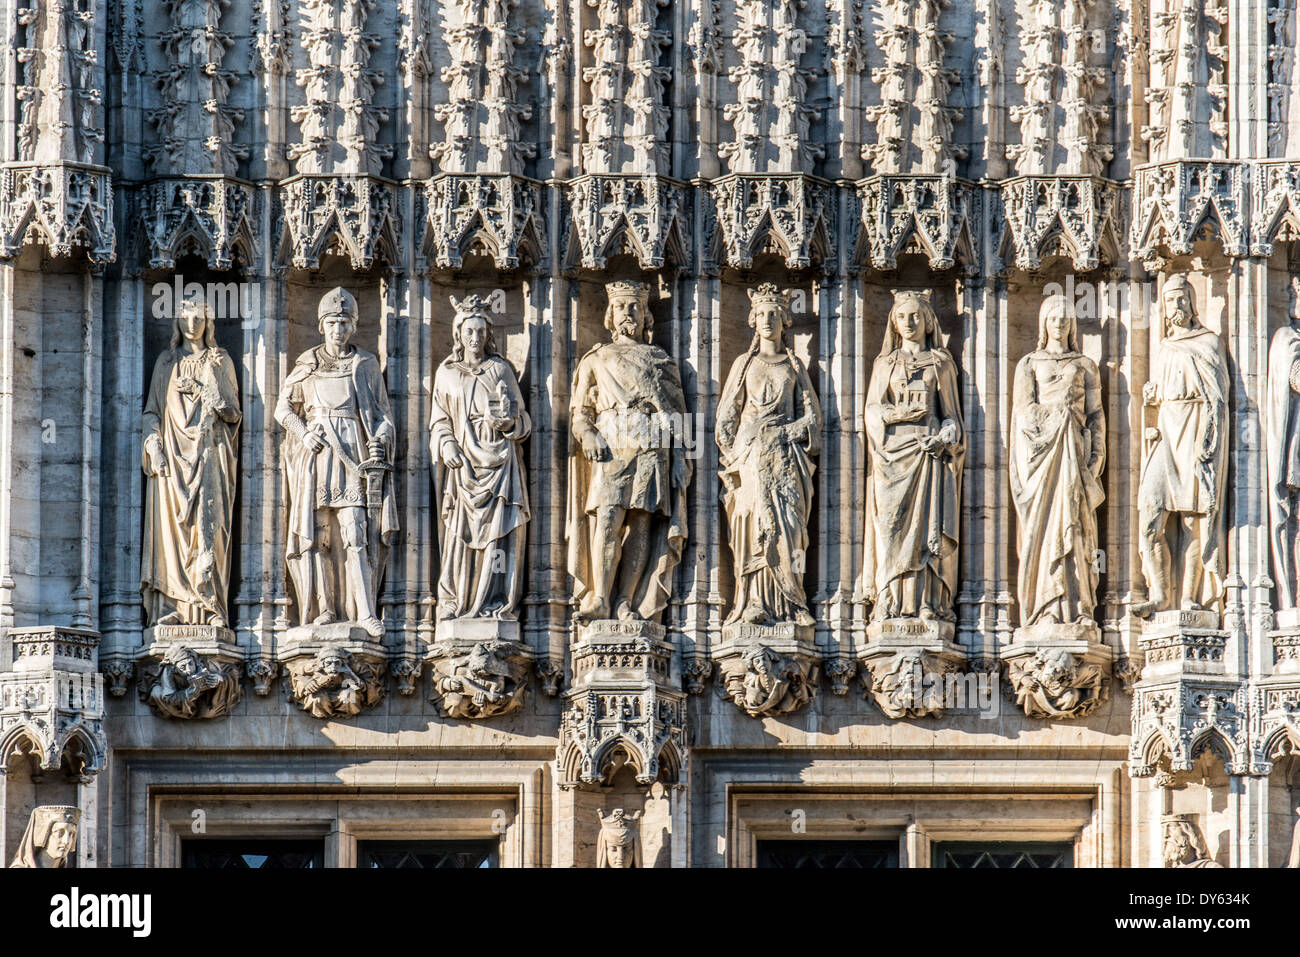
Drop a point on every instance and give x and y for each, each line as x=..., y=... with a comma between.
x=59, y=82
x=63, y=208
x=624, y=703
x=212, y=218
x=52, y=701
x=195, y=126
x=1055, y=683
x=1187, y=93
x=482, y=679
x=339, y=123
x=186, y=684
x=626, y=118
x=1072, y=216
x=347, y=216
x=772, y=112
x=930, y=216
x=270, y=22
x=333, y=682
x=1174, y=204
x=791, y=216
x=641, y=215
x=1064, y=75
x=1281, y=61
x=763, y=682
x=913, y=121
x=499, y=216
x=481, y=118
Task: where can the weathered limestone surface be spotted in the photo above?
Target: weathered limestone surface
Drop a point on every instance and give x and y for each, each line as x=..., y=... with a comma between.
x=609, y=426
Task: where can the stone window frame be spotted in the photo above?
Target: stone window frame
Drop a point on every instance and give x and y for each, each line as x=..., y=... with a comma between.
x=341, y=821
x=334, y=800
x=915, y=819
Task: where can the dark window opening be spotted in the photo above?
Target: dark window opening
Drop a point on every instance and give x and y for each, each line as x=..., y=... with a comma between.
x=963, y=854
x=252, y=854
x=827, y=854
x=427, y=854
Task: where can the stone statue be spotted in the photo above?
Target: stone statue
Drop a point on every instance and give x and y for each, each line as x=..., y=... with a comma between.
x=916, y=444
x=50, y=838
x=186, y=686
x=628, y=468
x=191, y=425
x=1058, y=449
x=619, y=844
x=769, y=432
x=335, y=684
x=1181, y=492
x=476, y=436
x=1283, y=424
x=342, y=512
x=1184, y=846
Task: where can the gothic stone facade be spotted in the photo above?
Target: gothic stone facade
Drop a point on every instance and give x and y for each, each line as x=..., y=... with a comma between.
x=974, y=156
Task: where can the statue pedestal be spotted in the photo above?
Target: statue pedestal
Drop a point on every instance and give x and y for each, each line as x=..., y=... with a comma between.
x=476, y=629
x=206, y=640
x=479, y=667
x=1182, y=643
x=1058, y=670
x=904, y=663
x=1286, y=641
x=625, y=705
x=768, y=669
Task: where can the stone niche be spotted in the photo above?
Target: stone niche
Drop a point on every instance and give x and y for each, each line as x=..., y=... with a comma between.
x=1284, y=805
x=1198, y=797
x=57, y=311
x=648, y=809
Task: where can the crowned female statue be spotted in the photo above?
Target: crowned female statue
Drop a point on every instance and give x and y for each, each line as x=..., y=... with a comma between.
x=769, y=434
x=476, y=436
x=916, y=444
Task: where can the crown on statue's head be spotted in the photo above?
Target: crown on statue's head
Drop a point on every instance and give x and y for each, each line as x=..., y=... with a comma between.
x=769, y=292
x=472, y=305
x=628, y=289
x=59, y=813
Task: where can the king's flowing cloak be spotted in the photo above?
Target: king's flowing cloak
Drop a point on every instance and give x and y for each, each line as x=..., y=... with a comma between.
x=635, y=401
